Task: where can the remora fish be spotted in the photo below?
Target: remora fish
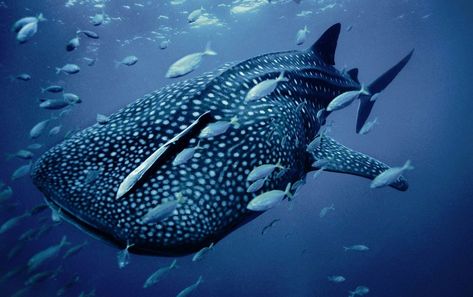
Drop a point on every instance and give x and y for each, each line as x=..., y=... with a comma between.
x=138, y=144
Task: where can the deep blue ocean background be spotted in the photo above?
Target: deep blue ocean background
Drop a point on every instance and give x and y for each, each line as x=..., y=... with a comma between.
x=421, y=241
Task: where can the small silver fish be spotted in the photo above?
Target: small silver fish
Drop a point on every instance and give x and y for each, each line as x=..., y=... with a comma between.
x=102, y=119
x=164, y=44
x=71, y=98
x=345, y=99
x=97, y=19
x=55, y=215
x=188, y=63
x=26, y=20
x=21, y=172
x=5, y=193
x=159, y=274
x=321, y=163
x=314, y=144
x=23, y=77
x=39, y=258
x=264, y=88
x=74, y=250
x=356, y=247
x=390, y=175
x=162, y=211
x=268, y=199
x=53, y=104
x=9, y=224
x=368, y=126
x=127, y=61
x=55, y=130
x=90, y=34
x=256, y=186
x=35, y=146
x=263, y=171
x=22, y=154
x=360, y=291
x=123, y=256
x=68, y=69
x=217, y=128
x=194, y=15
x=318, y=172
x=73, y=44
x=137, y=174
x=201, y=254
x=187, y=291
x=325, y=210
x=38, y=129
x=336, y=279
x=301, y=36
x=29, y=30
x=185, y=155
x=42, y=276
x=52, y=89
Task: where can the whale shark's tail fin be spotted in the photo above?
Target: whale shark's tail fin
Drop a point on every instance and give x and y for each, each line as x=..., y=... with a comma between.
x=366, y=102
x=333, y=156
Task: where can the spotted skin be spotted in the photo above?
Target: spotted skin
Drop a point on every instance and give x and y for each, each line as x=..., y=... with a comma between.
x=213, y=183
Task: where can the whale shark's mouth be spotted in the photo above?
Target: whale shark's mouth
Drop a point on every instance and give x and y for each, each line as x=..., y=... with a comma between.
x=82, y=224
x=54, y=197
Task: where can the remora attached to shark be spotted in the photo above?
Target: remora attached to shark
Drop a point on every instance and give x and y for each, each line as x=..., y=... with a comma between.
x=213, y=183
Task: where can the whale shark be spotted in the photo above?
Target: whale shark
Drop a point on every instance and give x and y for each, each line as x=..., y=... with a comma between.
x=107, y=177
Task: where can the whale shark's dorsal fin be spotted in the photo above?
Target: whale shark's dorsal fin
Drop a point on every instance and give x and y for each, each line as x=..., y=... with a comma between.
x=353, y=74
x=338, y=158
x=326, y=45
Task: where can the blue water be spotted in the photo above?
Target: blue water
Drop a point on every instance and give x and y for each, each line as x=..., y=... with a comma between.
x=420, y=241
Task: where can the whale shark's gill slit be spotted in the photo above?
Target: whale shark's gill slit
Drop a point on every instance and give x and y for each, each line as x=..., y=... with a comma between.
x=170, y=149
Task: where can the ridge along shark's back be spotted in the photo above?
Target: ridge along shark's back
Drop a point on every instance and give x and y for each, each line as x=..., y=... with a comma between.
x=275, y=128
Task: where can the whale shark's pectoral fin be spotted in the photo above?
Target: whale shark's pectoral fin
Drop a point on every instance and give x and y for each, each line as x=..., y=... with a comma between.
x=164, y=152
x=333, y=156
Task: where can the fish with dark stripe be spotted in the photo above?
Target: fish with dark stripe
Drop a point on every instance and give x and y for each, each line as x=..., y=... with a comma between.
x=136, y=147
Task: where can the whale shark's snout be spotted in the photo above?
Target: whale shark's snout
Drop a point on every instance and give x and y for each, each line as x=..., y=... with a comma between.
x=71, y=186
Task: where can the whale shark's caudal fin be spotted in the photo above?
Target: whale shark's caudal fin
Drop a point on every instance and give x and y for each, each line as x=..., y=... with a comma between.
x=338, y=158
x=366, y=104
x=326, y=45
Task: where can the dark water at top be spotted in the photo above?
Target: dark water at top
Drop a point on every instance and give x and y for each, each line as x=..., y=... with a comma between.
x=420, y=241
